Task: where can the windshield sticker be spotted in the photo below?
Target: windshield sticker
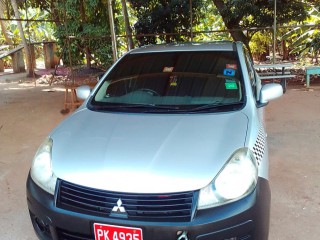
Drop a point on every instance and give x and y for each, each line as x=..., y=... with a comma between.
x=173, y=81
x=229, y=72
x=231, y=66
x=231, y=84
x=168, y=69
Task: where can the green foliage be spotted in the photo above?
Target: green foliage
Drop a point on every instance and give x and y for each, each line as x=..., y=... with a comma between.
x=164, y=17
x=305, y=40
x=209, y=26
x=242, y=14
x=13, y=32
x=259, y=43
x=35, y=31
x=87, y=23
x=120, y=26
x=260, y=13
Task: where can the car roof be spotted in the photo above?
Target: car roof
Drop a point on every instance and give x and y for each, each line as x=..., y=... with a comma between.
x=190, y=46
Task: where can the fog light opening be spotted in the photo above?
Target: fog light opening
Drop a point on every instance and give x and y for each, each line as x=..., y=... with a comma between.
x=182, y=235
x=41, y=225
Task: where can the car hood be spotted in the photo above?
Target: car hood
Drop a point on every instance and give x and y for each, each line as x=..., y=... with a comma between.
x=145, y=153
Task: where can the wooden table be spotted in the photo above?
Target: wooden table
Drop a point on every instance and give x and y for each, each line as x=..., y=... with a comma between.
x=311, y=71
x=278, y=72
x=70, y=97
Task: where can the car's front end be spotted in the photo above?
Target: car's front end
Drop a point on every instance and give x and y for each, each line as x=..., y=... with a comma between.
x=168, y=146
x=62, y=216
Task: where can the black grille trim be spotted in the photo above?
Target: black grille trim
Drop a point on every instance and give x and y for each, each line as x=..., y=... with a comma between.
x=66, y=235
x=152, y=207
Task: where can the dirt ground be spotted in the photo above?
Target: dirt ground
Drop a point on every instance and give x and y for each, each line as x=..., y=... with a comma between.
x=29, y=113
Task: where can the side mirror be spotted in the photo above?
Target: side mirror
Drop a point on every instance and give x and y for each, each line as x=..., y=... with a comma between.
x=83, y=92
x=269, y=92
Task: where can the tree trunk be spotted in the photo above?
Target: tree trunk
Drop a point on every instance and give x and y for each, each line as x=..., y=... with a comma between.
x=83, y=20
x=234, y=23
x=30, y=65
x=112, y=30
x=130, y=44
x=285, y=50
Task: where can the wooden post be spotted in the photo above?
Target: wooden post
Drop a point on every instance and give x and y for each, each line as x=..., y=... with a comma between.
x=32, y=56
x=1, y=65
x=50, y=58
x=18, y=62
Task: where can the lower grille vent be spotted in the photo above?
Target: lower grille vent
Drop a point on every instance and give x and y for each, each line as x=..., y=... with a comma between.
x=66, y=235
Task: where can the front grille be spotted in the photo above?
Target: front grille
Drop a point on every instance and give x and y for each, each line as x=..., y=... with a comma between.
x=153, y=207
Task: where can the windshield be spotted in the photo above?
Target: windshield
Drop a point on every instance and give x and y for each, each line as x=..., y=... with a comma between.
x=172, y=82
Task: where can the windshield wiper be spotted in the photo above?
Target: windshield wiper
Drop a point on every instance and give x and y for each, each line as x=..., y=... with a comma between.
x=153, y=108
x=217, y=106
x=145, y=107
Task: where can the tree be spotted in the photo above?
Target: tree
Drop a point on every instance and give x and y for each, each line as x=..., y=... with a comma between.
x=210, y=21
x=127, y=25
x=30, y=65
x=242, y=14
x=169, y=19
x=3, y=24
x=259, y=45
x=85, y=25
x=81, y=28
x=305, y=40
x=49, y=6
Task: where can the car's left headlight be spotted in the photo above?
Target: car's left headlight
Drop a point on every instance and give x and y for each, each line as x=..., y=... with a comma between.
x=237, y=179
x=41, y=170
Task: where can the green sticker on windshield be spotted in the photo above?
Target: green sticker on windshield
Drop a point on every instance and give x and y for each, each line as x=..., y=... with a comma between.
x=231, y=85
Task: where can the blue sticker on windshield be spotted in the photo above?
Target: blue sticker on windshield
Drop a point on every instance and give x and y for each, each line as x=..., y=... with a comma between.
x=229, y=72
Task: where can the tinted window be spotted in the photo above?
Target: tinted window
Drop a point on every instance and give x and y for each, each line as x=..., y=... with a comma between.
x=181, y=79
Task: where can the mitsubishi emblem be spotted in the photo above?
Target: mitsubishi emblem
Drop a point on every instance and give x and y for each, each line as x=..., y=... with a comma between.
x=119, y=207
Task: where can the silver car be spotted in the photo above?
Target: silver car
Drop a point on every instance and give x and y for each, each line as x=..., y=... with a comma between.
x=170, y=145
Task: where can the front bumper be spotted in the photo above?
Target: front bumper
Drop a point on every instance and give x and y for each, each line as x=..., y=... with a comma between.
x=246, y=219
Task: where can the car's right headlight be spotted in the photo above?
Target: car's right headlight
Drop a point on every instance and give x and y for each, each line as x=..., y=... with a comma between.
x=41, y=170
x=237, y=179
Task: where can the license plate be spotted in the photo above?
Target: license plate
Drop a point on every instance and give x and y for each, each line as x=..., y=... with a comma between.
x=111, y=232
